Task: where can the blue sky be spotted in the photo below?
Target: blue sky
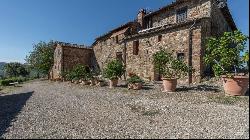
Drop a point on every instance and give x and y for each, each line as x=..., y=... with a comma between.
x=25, y=22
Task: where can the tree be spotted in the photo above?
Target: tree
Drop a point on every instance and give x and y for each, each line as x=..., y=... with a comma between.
x=42, y=57
x=15, y=69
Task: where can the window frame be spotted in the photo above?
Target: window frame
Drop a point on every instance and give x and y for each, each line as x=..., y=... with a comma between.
x=181, y=14
x=136, y=45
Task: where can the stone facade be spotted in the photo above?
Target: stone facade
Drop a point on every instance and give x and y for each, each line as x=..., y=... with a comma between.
x=66, y=56
x=182, y=27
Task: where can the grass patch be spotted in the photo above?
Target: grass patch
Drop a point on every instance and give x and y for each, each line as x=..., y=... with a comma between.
x=225, y=99
x=8, y=89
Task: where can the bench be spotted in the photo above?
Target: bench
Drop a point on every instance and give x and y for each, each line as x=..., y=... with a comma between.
x=14, y=83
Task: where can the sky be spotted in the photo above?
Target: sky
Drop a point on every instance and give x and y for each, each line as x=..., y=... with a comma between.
x=27, y=22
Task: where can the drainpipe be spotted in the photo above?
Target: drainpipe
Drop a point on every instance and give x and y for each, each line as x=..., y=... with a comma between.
x=125, y=58
x=190, y=51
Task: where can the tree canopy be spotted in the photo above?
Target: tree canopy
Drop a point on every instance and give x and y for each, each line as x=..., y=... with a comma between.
x=42, y=57
x=15, y=69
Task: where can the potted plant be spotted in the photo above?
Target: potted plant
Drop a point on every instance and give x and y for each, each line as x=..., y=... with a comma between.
x=134, y=82
x=170, y=69
x=223, y=54
x=113, y=71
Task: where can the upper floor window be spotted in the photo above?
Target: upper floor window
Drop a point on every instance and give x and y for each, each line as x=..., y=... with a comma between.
x=149, y=23
x=181, y=15
x=136, y=47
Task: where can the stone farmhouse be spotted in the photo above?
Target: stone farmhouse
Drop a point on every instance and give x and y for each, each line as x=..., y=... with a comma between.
x=182, y=27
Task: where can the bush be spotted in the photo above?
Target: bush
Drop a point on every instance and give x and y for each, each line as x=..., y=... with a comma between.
x=78, y=72
x=114, y=69
x=169, y=66
x=7, y=82
x=223, y=53
x=135, y=79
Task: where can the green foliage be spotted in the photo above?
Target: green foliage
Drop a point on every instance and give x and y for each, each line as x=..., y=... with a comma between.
x=169, y=66
x=135, y=79
x=6, y=82
x=15, y=69
x=114, y=69
x=42, y=57
x=246, y=58
x=223, y=53
x=78, y=72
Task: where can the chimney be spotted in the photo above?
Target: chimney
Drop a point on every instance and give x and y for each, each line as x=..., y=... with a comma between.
x=140, y=17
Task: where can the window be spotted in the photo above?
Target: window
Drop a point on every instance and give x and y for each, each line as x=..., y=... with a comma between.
x=181, y=15
x=116, y=39
x=159, y=38
x=119, y=56
x=180, y=56
x=149, y=22
x=135, y=47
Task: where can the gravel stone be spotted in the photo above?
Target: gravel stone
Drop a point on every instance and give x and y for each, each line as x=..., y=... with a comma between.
x=45, y=109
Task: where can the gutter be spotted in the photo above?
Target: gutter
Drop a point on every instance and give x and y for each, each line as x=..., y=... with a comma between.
x=190, y=52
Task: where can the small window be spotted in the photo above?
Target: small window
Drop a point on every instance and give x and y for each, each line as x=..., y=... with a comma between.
x=116, y=39
x=180, y=56
x=159, y=38
x=135, y=47
x=181, y=15
x=119, y=56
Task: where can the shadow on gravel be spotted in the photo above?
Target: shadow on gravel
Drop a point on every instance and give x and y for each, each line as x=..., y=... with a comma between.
x=10, y=106
x=203, y=88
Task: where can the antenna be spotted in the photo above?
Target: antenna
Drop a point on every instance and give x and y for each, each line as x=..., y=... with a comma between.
x=221, y=3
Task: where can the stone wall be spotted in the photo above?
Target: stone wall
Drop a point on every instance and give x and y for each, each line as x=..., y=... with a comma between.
x=195, y=10
x=66, y=57
x=176, y=40
x=219, y=23
x=73, y=56
x=57, y=67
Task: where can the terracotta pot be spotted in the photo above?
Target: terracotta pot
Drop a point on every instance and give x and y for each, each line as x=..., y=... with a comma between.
x=169, y=85
x=113, y=83
x=76, y=82
x=236, y=86
x=92, y=82
x=100, y=83
x=85, y=82
x=130, y=86
x=137, y=86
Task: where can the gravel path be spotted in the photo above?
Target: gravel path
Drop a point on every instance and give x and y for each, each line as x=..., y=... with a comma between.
x=44, y=109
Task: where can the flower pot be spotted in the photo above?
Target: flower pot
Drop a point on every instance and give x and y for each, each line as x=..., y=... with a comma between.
x=76, y=82
x=113, y=83
x=85, y=82
x=100, y=83
x=130, y=86
x=137, y=86
x=236, y=86
x=92, y=82
x=169, y=85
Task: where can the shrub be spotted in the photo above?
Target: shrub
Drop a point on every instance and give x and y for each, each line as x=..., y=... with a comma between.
x=223, y=53
x=114, y=69
x=7, y=82
x=168, y=66
x=135, y=79
x=78, y=72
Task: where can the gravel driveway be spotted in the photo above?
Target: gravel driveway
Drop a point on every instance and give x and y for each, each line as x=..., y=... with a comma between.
x=44, y=109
